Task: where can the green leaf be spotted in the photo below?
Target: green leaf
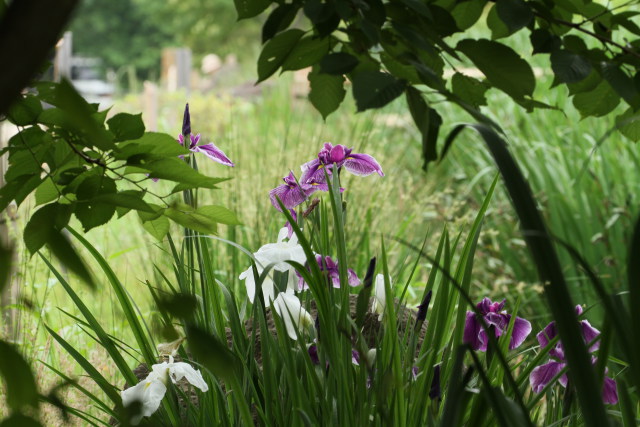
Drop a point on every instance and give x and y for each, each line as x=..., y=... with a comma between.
x=621, y=83
x=19, y=420
x=275, y=52
x=25, y=111
x=327, y=91
x=338, y=63
x=92, y=214
x=19, y=381
x=213, y=354
x=75, y=114
x=467, y=13
x=95, y=185
x=130, y=199
x=504, y=68
x=428, y=122
x=158, y=227
x=569, y=67
x=544, y=41
x=126, y=126
x=515, y=13
x=40, y=228
x=219, y=214
x=281, y=17
x=400, y=70
x=469, y=89
x=250, y=8
x=151, y=143
x=177, y=170
x=307, y=52
x=629, y=124
x=186, y=216
x=497, y=26
x=46, y=192
x=375, y=89
x=597, y=102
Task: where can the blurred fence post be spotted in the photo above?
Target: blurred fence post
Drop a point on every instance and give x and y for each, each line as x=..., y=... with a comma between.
x=150, y=106
x=176, y=69
x=62, y=61
x=10, y=293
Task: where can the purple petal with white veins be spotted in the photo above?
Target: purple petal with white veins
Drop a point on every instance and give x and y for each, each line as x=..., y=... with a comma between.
x=543, y=374
x=362, y=165
x=589, y=333
x=521, y=330
x=499, y=322
x=472, y=330
x=353, y=277
x=484, y=306
x=290, y=197
x=335, y=278
x=355, y=357
x=288, y=224
x=194, y=142
x=609, y=391
x=181, y=139
x=214, y=153
x=547, y=334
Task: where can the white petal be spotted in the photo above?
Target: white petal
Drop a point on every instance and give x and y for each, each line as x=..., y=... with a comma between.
x=282, y=234
x=288, y=307
x=249, y=283
x=181, y=370
x=379, y=296
x=149, y=393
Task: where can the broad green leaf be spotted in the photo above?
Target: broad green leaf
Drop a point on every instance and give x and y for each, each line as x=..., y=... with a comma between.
x=338, y=63
x=41, y=227
x=92, y=214
x=174, y=169
x=17, y=377
x=621, y=83
x=19, y=420
x=469, y=89
x=569, y=67
x=307, y=52
x=213, y=354
x=514, y=13
x=629, y=124
x=375, y=89
x=504, y=68
x=497, y=26
x=281, y=17
x=219, y=214
x=275, y=52
x=597, y=102
x=181, y=306
x=158, y=227
x=126, y=199
x=95, y=185
x=544, y=41
x=250, y=8
x=186, y=216
x=400, y=70
x=149, y=216
x=151, y=143
x=75, y=113
x=46, y=192
x=428, y=122
x=25, y=111
x=126, y=126
x=589, y=83
x=467, y=13
x=327, y=91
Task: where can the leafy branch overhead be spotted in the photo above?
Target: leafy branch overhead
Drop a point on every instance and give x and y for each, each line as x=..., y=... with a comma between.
x=389, y=48
x=79, y=163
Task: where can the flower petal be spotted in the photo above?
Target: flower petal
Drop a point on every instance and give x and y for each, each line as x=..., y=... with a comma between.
x=214, y=153
x=379, y=297
x=472, y=330
x=547, y=334
x=521, y=330
x=352, y=277
x=180, y=370
x=589, y=333
x=290, y=197
x=362, y=165
x=149, y=393
x=543, y=374
x=609, y=391
x=290, y=309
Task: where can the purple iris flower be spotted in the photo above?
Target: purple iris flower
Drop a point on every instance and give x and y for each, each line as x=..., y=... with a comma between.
x=331, y=267
x=209, y=150
x=357, y=164
x=543, y=374
x=291, y=193
x=498, y=320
